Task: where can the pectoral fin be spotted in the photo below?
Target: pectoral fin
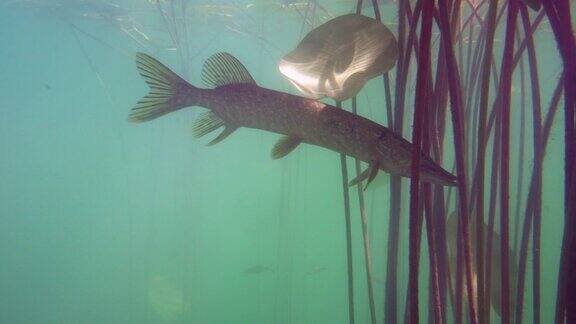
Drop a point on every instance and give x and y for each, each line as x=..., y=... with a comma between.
x=285, y=145
x=368, y=174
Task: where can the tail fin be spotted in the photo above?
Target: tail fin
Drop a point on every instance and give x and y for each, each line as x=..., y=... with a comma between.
x=168, y=91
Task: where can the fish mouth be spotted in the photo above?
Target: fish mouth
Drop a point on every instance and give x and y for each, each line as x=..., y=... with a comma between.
x=433, y=173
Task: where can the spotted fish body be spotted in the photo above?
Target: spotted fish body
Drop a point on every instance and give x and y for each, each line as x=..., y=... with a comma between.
x=237, y=101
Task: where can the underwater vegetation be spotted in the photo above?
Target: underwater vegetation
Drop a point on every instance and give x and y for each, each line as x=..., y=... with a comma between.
x=461, y=114
x=466, y=106
x=483, y=268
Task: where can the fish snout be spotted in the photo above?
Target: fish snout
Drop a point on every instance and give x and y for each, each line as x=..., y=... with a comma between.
x=433, y=173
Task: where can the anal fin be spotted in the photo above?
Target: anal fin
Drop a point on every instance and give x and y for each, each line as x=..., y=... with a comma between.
x=285, y=145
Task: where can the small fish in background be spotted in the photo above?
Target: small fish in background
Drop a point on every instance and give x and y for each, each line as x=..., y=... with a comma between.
x=235, y=100
x=166, y=299
x=316, y=269
x=495, y=281
x=47, y=86
x=257, y=269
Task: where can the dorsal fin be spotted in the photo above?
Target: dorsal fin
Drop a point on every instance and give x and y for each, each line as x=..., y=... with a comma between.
x=222, y=69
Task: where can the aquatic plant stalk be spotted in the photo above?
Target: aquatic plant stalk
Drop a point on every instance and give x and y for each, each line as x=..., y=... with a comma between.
x=434, y=291
x=365, y=237
x=349, y=260
x=505, y=88
x=495, y=168
x=422, y=95
x=391, y=284
x=364, y=219
x=483, y=314
x=395, y=191
x=558, y=13
x=521, y=146
x=532, y=199
x=437, y=128
x=535, y=196
x=456, y=108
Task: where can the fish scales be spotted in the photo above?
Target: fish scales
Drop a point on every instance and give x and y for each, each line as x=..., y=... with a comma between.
x=313, y=121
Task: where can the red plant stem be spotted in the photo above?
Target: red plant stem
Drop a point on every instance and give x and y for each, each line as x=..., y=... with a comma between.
x=467, y=77
x=361, y=203
x=534, y=204
x=439, y=227
x=365, y=237
x=558, y=13
x=440, y=103
x=505, y=89
x=522, y=46
x=519, y=52
x=539, y=148
x=391, y=286
x=483, y=309
x=349, y=260
x=492, y=214
x=437, y=126
x=459, y=272
x=407, y=304
x=456, y=105
x=490, y=125
x=433, y=256
x=474, y=12
x=391, y=293
x=385, y=77
x=522, y=142
x=533, y=195
x=400, y=75
x=552, y=112
x=376, y=9
x=460, y=60
x=488, y=131
x=359, y=7
x=401, y=95
x=422, y=95
x=434, y=301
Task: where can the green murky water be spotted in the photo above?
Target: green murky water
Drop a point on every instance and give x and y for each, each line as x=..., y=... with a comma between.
x=105, y=221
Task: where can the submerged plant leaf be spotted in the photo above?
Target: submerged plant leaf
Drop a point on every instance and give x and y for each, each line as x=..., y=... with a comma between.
x=338, y=57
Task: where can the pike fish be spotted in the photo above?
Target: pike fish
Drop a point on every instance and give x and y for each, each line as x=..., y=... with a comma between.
x=235, y=100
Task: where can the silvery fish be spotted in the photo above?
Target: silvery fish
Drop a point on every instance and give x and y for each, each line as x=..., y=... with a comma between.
x=235, y=100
